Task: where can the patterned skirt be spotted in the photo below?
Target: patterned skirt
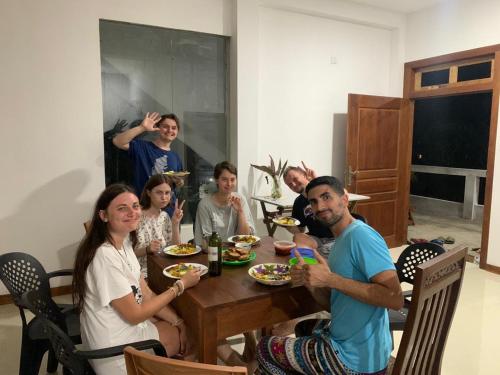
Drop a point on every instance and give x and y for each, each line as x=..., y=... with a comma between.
x=302, y=355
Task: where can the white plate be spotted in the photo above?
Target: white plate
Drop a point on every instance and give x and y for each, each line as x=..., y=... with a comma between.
x=166, y=271
x=169, y=250
x=276, y=220
x=177, y=174
x=277, y=268
x=235, y=238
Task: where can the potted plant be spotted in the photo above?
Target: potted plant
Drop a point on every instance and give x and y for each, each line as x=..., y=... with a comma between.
x=275, y=174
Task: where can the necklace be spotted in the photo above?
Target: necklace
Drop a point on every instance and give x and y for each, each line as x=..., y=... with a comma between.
x=124, y=258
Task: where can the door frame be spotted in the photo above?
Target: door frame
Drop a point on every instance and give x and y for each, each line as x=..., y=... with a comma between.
x=492, y=85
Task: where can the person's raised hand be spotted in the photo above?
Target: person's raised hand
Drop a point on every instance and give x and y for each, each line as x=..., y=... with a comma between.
x=235, y=202
x=191, y=278
x=178, y=212
x=150, y=121
x=318, y=275
x=297, y=271
x=310, y=173
x=154, y=246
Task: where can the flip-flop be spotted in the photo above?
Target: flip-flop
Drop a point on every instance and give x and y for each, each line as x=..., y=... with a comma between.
x=418, y=240
x=449, y=240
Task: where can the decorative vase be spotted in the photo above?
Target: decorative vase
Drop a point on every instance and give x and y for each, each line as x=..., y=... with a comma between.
x=276, y=188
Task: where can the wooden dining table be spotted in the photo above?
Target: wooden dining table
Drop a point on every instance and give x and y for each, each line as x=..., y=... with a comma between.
x=232, y=303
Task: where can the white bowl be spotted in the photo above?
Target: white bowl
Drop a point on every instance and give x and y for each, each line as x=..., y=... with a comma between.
x=243, y=245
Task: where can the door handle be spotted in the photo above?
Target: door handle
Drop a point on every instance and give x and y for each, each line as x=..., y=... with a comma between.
x=349, y=175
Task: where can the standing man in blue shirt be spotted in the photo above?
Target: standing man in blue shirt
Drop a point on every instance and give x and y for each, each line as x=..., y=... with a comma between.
x=152, y=157
x=356, y=284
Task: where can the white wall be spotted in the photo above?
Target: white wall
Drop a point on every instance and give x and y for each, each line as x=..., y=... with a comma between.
x=457, y=26
x=289, y=90
x=51, y=158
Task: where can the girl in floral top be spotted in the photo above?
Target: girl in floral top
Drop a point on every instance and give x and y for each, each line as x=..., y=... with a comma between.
x=156, y=230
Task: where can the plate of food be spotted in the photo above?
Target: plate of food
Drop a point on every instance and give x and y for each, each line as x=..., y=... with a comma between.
x=252, y=240
x=237, y=257
x=177, y=174
x=286, y=221
x=182, y=250
x=271, y=273
x=178, y=270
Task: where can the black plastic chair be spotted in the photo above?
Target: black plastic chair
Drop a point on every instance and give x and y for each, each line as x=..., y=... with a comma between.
x=21, y=272
x=406, y=267
x=359, y=217
x=76, y=361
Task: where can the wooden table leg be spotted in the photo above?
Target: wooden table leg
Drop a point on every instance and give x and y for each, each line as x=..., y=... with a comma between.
x=207, y=338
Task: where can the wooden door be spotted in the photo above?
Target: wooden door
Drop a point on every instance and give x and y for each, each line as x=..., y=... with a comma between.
x=378, y=162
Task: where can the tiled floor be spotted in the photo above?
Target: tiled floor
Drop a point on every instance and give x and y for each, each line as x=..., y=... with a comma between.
x=472, y=341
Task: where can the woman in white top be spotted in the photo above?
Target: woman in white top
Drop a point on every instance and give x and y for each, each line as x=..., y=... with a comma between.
x=225, y=210
x=116, y=305
x=156, y=230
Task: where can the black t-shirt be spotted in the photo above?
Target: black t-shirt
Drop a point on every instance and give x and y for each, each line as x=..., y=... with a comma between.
x=302, y=211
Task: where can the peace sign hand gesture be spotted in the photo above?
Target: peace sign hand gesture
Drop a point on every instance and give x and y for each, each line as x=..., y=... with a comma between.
x=310, y=173
x=178, y=213
x=150, y=120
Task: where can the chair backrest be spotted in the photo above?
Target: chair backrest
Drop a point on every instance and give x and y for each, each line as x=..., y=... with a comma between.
x=435, y=296
x=21, y=272
x=413, y=256
x=86, y=226
x=64, y=349
x=142, y=363
x=359, y=217
x=44, y=306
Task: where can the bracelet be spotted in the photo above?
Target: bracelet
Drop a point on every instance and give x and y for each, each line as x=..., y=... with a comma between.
x=148, y=249
x=180, y=285
x=177, y=322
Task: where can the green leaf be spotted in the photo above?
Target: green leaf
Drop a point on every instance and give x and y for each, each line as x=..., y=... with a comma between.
x=273, y=168
x=263, y=168
x=283, y=169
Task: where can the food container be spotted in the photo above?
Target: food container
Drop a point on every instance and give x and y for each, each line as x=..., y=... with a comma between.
x=243, y=245
x=306, y=254
x=283, y=247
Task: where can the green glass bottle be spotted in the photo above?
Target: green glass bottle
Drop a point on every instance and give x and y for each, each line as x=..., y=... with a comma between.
x=214, y=254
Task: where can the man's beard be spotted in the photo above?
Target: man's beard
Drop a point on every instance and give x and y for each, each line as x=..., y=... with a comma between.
x=332, y=221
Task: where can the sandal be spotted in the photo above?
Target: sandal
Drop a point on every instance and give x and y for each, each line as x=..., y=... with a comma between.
x=449, y=240
x=418, y=240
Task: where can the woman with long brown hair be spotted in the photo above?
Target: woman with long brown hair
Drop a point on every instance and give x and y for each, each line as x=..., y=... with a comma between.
x=115, y=303
x=156, y=229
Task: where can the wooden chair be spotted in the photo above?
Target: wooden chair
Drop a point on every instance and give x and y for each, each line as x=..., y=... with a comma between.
x=434, y=300
x=86, y=225
x=141, y=363
x=406, y=267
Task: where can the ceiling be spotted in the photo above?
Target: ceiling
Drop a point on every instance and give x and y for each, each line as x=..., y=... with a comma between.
x=402, y=6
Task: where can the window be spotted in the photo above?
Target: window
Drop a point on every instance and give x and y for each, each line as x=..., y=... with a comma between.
x=150, y=69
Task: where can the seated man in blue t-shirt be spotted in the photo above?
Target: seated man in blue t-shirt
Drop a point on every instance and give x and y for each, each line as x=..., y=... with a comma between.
x=318, y=236
x=357, y=284
x=152, y=157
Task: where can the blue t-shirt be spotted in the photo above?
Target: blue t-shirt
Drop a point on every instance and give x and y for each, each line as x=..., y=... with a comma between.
x=360, y=332
x=148, y=160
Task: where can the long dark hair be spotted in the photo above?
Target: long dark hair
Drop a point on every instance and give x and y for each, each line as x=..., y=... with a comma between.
x=154, y=181
x=97, y=234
